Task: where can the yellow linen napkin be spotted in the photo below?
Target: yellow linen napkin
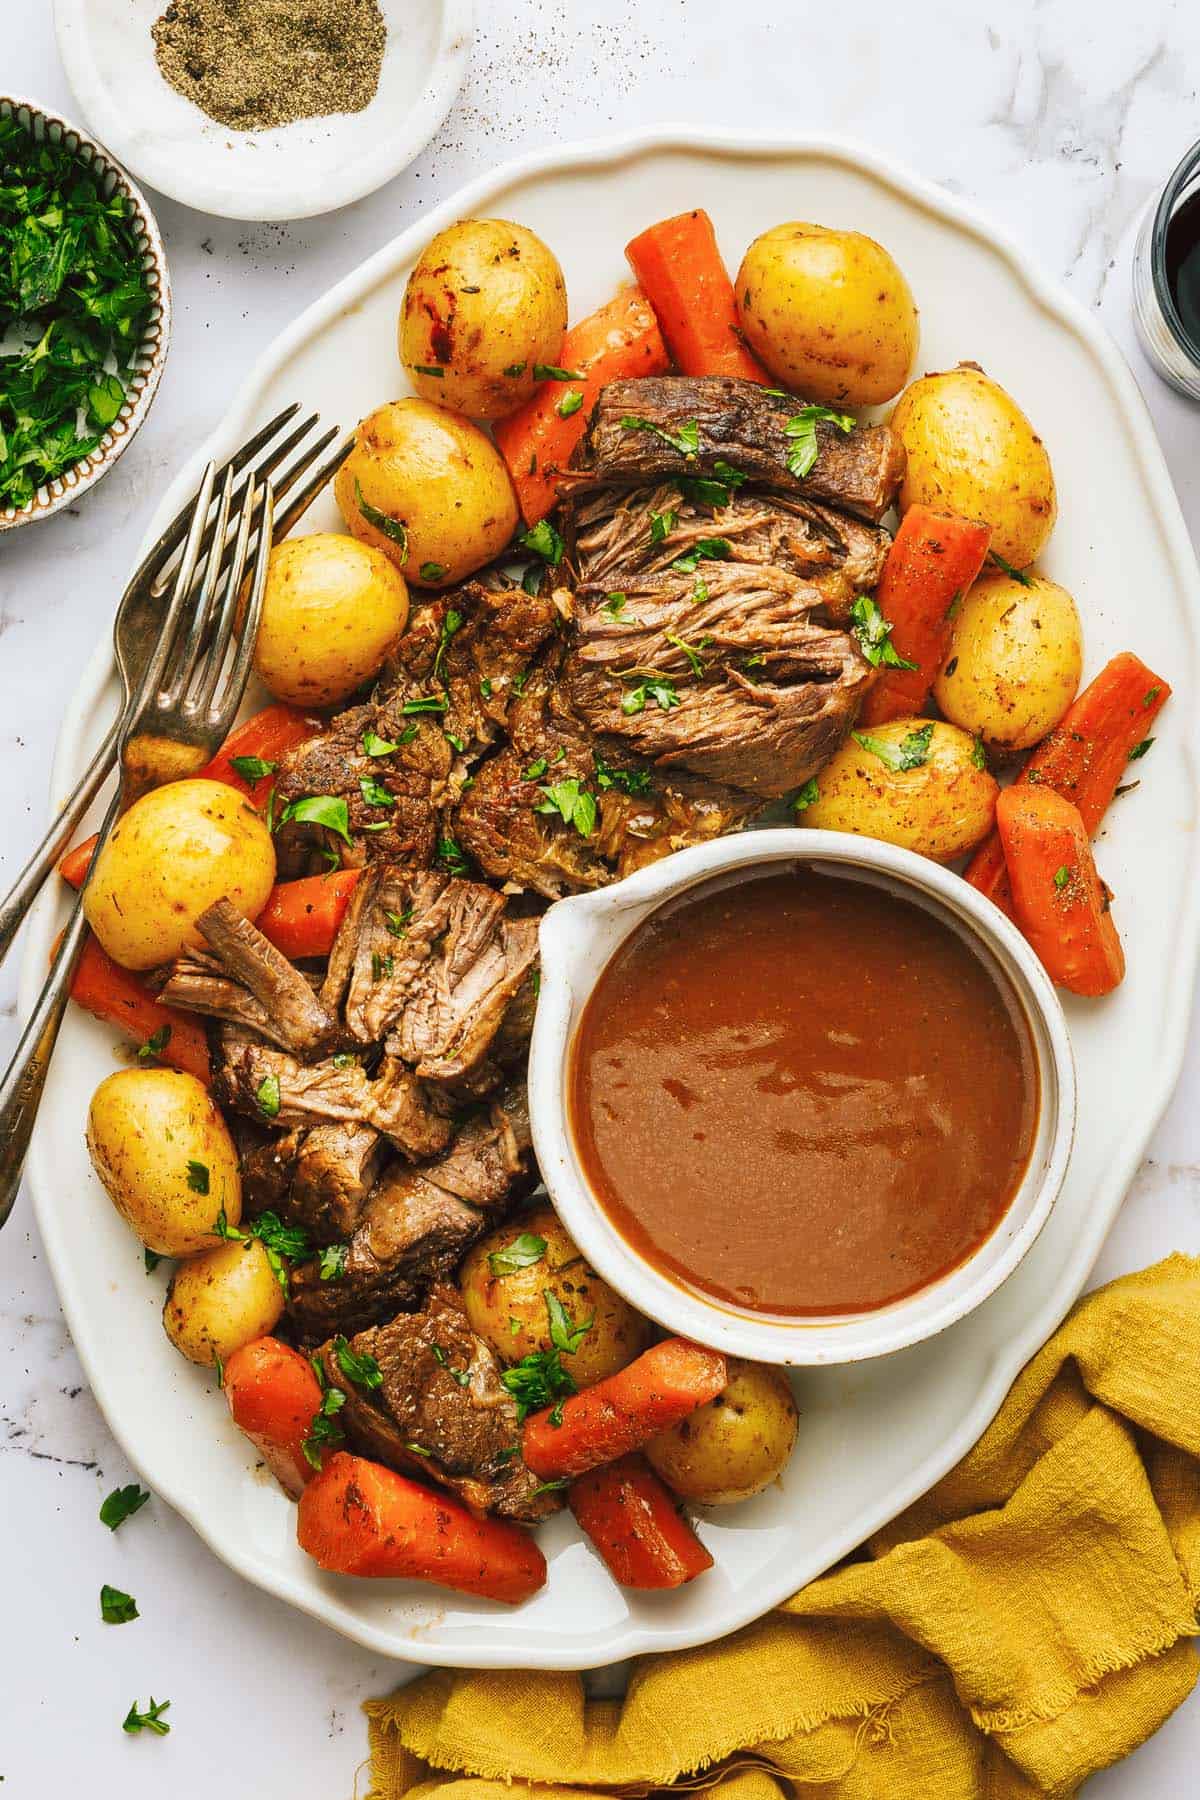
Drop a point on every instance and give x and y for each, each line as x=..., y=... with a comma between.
x=1027, y=1622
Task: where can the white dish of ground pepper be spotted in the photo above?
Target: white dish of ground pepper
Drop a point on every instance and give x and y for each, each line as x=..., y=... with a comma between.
x=264, y=109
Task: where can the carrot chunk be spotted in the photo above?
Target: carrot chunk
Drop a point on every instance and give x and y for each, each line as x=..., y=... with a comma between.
x=1060, y=903
x=274, y=1396
x=358, y=1518
x=536, y=441
x=623, y=1412
x=680, y=270
x=109, y=992
x=301, y=918
x=1085, y=758
x=635, y=1523
x=933, y=559
x=262, y=738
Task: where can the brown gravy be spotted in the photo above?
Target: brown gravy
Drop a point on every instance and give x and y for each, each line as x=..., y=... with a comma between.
x=802, y=1093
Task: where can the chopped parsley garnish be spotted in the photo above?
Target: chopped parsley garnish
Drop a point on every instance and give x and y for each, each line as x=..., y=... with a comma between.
x=807, y=796
x=399, y=922
x=1139, y=750
x=1062, y=876
x=569, y=404
x=150, y=1720
x=573, y=803
x=662, y=524
x=363, y=1370
x=450, y=625
x=714, y=489
x=156, y=1044
x=515, y=369
x=1150, y=696
x=1003, y=564
x=431, y=571
x=551, y=1487
x=874, y=634
x=197, y=1177
x=614, y=605
x=381, y=966
x=374, y=745
x=252, y=768
x=151, y=1258
x=658, y=688
x=538, y=1380
x=686, y=440
x=374, y=793
x=485, y=687
x=74, y=304
x=434, y=369
x=699, y=591
x=121, y=1504
x=327, y=810
x=536, y=769
x=551, y=372
x=522, y=1253
x=425, y=703
x=116, y=1608
x=344, y=1059
x=331, y=1263
x=912, y=752
x=714, y=549
x=325, y=1433
x=691, y=651
x=544, y=541
x=277, y=1239
x=451, y=858
x=565, y=1335
x=978, y=754
x=802, y=429
x=267, y=1096
x=394, y=530
x=629, y=781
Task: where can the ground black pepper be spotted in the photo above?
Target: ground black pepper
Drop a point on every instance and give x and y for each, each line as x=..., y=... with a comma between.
x=254, y=64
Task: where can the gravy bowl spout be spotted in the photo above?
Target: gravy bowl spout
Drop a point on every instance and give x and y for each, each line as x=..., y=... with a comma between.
x=579, y=938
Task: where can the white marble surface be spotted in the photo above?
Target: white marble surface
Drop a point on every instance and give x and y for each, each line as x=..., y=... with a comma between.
x=1059, y=117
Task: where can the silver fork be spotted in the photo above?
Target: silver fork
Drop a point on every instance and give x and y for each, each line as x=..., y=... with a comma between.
x=183, y=706
x=140, y=616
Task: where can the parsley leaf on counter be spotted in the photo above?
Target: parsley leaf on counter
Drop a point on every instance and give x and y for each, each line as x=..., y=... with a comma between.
x=121, y=1504
x=150, y=1720
x=117, y=1608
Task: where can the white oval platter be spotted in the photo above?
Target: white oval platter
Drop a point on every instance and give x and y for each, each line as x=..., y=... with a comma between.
x=873, y=1435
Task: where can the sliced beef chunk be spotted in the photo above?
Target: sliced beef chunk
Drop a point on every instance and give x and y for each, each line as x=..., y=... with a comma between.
x=737, y=423
x=442, y=1408
x=266, y=1083
x=419, y=1222
x=267, y=1164
x=839, y=555
x=317, y=1178
x=248, y=982
x=508, y=824
x=388, y=932
x=737, y=681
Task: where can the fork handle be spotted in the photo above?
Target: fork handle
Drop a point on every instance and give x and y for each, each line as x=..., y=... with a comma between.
x=24, y=1079
x=27, y=886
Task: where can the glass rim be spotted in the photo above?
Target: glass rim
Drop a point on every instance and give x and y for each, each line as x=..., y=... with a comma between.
x=1188, y=165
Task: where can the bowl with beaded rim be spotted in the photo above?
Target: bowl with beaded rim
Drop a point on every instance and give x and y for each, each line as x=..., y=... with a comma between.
x=290, y=171
x=141, y=378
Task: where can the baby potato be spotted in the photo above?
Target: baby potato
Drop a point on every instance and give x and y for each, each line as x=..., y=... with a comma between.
x=508, y=1307
x=485, y=303
x=176, y=850
x=333, y=609
x=164, y=1153
x=220, y=1300
x=1016, y=655
x=828, y=312
x=940, y=806
x=970, y=450
x=428, y=489
x=736, y=1445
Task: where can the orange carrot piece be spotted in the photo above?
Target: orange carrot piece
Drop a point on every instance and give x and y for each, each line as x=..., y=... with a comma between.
x=635, y=1523
x=1084, y=758
x=358, y=1518
x=266, y=735
x=933, y=559
x=679, y=269
x=301, y=918
x=1061, y=905
x=623, y=1412
x=536, y=442
x=274, y=1396
x=116, y=995
x=76, y=863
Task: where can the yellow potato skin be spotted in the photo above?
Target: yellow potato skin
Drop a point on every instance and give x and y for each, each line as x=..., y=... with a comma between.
x=494, y=1303
x=220, y=1300
x=940, y=810
x=735, y=1446
x=176, y=850
x=828, y=313
x=144, y=1127
x=333, y=609
x=486, y=296
x=970, y=450
x=437, y=475
x=1015, y=659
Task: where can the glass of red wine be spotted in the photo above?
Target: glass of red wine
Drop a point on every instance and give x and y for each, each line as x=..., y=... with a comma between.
x=1166, y=279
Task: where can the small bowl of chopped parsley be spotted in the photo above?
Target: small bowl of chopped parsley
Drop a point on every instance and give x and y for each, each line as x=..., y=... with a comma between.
x=85, y=312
